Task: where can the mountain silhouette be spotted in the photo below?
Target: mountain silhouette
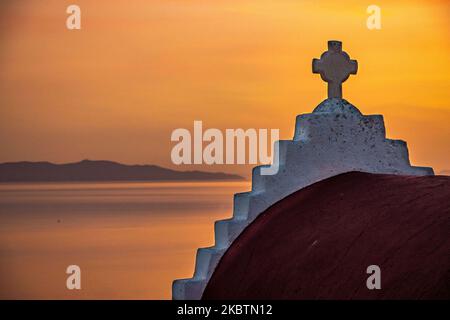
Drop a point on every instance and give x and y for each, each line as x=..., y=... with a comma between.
x=88, y=170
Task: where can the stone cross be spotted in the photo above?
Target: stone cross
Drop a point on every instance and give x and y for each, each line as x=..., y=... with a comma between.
x=334, y=67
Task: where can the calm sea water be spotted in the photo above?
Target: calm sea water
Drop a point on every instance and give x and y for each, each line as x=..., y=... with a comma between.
x=129, y=239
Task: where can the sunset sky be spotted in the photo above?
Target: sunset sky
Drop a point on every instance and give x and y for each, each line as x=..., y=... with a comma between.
x=139, y=69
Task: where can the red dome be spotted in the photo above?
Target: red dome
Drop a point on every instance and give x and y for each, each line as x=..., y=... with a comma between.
x=318, y=242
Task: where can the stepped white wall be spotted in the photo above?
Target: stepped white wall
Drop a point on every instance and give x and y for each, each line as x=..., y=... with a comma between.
x=334, y=139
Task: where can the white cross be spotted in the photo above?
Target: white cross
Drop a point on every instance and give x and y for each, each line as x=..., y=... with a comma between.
x=334, y=67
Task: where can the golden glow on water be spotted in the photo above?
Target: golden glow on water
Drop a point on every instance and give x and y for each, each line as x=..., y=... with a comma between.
x=138, y=70
x=131, y=240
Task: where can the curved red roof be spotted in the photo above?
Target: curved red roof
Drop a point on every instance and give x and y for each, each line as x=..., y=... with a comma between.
x=318, y=242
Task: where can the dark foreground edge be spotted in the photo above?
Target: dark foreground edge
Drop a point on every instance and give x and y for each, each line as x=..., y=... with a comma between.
x=158, y=309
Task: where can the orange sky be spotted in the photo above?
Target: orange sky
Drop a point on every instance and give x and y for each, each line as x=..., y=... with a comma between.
x=139, y=69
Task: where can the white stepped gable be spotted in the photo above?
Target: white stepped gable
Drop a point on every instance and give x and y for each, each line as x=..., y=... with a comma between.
x=334, y=139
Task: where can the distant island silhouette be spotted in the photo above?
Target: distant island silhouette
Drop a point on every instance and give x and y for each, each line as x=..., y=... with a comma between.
x=102, y=170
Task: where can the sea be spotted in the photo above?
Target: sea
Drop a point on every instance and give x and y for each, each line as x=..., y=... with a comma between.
x=130, y=240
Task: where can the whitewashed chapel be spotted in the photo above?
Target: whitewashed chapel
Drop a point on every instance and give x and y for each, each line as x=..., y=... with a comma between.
x=335, y=138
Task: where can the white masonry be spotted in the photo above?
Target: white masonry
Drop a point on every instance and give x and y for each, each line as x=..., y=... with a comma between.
x=335, y=138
